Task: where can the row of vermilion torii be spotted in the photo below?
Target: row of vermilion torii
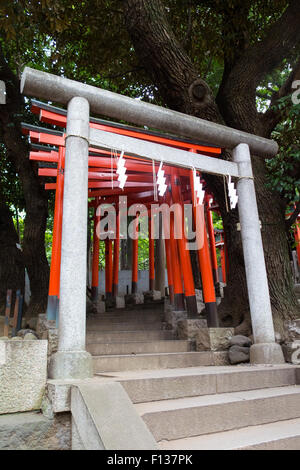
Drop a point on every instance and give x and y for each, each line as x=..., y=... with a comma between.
x=48, y=148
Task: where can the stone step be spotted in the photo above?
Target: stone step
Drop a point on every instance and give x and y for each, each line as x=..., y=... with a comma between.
x=123, y=326
x=138, y=347
x=145, y=386
x=281, y=435
x=98, y=336
x=134, y=319
x=115, y=363
x=126, y=316
x=194, y=416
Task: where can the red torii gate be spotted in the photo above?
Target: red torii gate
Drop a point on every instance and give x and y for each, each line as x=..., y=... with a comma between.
x=103, y=187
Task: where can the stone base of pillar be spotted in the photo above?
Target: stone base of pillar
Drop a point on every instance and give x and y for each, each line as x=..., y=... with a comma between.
x=134, y=299
x=173, y=317
x=120, y=301
x=71, y=365
x=100, y=305
x=189, y=328
x=266, y=353
x=152, y=295
x=213, y=339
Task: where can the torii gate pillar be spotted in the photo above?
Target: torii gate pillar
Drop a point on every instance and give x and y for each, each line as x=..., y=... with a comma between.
x=265, y=350
x=72, y=360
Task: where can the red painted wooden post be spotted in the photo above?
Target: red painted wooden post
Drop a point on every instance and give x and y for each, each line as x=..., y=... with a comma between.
x=108, y=268
x=184, y=254
x=54, y=280
x=135, y=253
x=209, y=295
x=95, y=262
x=116, y=256
x=151, y=255
x=175, y=265
x=212, y=241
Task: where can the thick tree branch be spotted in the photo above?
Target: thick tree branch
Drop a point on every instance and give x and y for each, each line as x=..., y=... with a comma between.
x=237, y=93
x=282, y=38
x=274, y=115
x=165, y=60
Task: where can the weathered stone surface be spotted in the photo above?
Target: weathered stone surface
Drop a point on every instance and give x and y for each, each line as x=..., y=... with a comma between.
x=200, y=306
x=43, y=325
x=152, y=295
x=221, y=358
x=240, y=340
x=120, y=301
x=100, y=305
x=238, y=354
x=291, y=352
x=33, y=431
x=294, y=330
x=52, y=341
x=172, y=318
x=30, y=337
x=188, y=329
x=23, y=374
x=134, y=299
x=213, y=339
x=199, y=295
x=22, y=333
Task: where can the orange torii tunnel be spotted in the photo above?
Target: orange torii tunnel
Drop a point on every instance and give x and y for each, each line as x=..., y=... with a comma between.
x=48, y=148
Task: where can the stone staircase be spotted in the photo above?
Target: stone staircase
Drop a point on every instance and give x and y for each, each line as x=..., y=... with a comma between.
x=185, y=402
x=135, y=339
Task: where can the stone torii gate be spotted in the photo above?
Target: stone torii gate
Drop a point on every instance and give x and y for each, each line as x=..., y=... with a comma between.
x=72, y=360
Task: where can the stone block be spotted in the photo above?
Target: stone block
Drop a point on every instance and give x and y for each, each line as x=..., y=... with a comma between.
x=200, y=306
x=134, y=299
x=240, y=340
x=239, y=354
x=199, y=295
x=100, y=305
x=52, y=341
x=189, y=328
x=220, y=358
x=294, y=330
x=172, y=318
x=23, y=375
x=213, y=339
x=27, y=331
x=291, y=352
x=120, y=301
x=33, y=431
x=152, y=295
x=43, y=325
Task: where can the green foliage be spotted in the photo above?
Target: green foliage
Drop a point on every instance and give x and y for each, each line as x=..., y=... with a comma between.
x=284, y=168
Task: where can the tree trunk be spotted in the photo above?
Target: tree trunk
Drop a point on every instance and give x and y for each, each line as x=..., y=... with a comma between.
x=36, y=203
x=180, y=88
x=12, y=269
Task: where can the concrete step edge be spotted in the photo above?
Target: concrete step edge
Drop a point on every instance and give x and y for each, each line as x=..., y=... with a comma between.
x=280, y=435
